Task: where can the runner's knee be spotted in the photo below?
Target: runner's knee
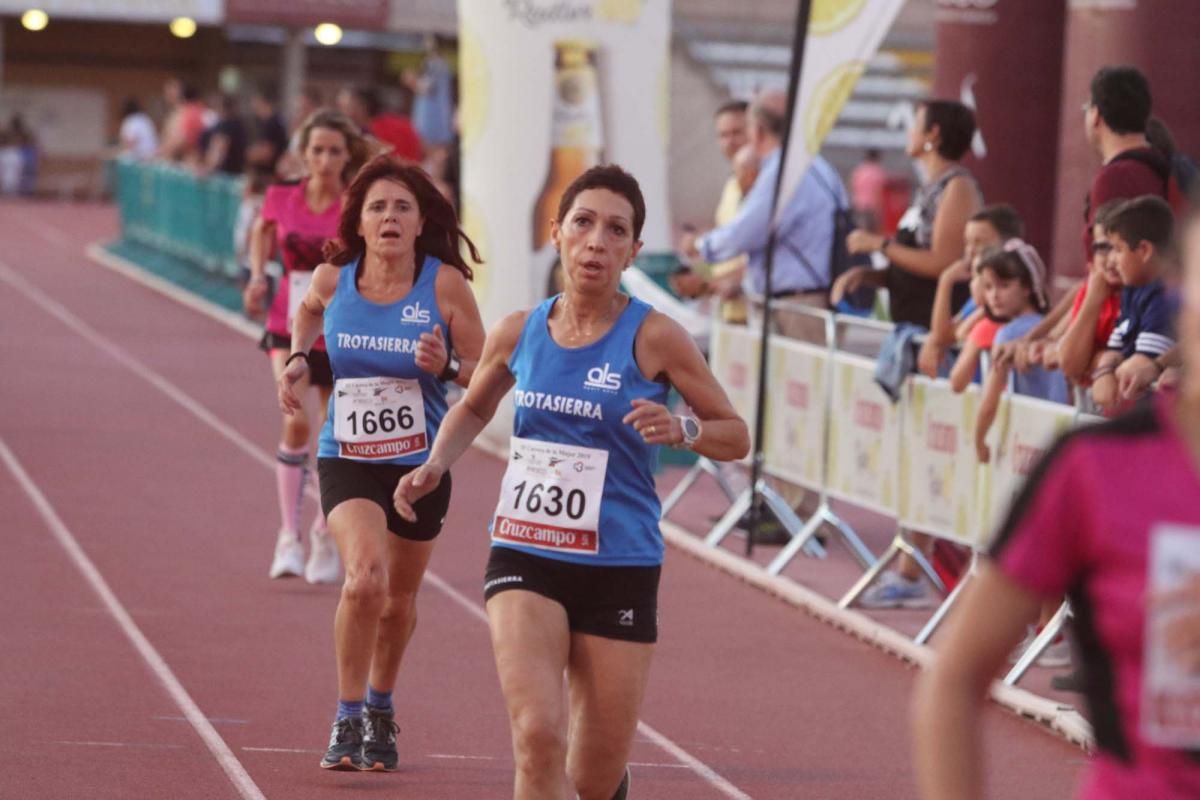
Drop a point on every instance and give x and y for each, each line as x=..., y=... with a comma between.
x=400, y=610
x=539, y=743
x=296, y=430
x=365, y=588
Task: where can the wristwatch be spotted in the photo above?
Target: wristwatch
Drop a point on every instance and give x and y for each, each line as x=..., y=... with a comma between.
x=690, y=426
x=453, y=366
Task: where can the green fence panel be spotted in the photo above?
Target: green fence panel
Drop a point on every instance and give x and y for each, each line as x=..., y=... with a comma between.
x=171, y=209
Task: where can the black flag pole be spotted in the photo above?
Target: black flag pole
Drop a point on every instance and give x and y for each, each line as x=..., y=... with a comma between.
x=756, y=470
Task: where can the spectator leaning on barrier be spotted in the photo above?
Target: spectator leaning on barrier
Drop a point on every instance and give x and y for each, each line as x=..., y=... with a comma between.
x=804, y=238
x=1094, y=312
x=1140, y=232
x=989, y=227
x=930, y=235
x=1115, y=116
x=1087, y=523
x=269, y=135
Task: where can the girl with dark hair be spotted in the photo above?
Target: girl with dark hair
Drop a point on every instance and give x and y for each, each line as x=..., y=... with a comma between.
x=297, y=218
x=572, y=580
x=1013, y=279
x=400, y=324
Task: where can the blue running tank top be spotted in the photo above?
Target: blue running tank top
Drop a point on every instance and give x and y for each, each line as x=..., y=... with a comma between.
x=577, y=397
x=368, y=344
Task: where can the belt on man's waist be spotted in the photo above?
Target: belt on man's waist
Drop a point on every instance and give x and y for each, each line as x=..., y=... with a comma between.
x=783, y=293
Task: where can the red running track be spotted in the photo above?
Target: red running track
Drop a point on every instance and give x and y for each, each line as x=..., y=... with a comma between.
x=143, y=431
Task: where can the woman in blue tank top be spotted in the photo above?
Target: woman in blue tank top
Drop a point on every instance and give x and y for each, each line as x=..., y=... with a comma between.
x=572, y=581
x=400, y=323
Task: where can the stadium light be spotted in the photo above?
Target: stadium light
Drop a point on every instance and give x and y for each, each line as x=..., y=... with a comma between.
x=327, y=34
x=183, y=27
x=35, y=19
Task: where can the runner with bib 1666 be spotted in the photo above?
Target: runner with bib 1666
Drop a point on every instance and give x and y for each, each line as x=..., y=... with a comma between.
x=572, y=581
x=400, y=323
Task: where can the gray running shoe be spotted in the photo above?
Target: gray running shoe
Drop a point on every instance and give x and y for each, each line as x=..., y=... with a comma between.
x=345, y=745
x=379, y=740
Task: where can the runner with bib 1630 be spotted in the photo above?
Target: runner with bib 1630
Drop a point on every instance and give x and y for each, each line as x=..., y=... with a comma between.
x=572, y=581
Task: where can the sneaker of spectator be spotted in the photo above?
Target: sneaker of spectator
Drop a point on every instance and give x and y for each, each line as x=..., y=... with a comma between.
x=1057, y=653
x=893, y=590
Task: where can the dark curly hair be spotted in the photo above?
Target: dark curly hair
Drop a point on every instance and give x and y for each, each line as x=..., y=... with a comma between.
x=441, y=236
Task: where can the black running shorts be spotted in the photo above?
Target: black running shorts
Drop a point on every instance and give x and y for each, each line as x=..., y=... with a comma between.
x=320, y=372
x=612, y=602
x=342, y=479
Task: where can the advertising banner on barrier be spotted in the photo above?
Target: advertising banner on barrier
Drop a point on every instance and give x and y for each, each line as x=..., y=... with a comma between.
x=733, y=358
x=938, y=464
x=1028, y=427
x=864, y=438
x=795, y=425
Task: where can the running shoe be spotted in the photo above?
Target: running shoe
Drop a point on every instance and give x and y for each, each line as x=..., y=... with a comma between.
x=379, y=740
x=623, y=790
x=324, y=565
x=345, y=745
x=289, y=555
x=1056, y=654
x=893, y=590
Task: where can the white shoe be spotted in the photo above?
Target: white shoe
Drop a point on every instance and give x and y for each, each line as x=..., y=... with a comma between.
x=324, y=565
x=289, y=555
x=1056, y=654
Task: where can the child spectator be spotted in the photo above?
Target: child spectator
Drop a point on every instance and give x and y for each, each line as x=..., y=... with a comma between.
x=1014, y=280
x=1140, y=232
x=1095, y=312
x=991, y=226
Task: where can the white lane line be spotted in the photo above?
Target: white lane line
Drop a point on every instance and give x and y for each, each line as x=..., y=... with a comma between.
x=208, y=734
x=8, y=275
x=146, y=745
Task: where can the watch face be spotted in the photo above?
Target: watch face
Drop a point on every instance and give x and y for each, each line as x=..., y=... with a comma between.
x=691, y=428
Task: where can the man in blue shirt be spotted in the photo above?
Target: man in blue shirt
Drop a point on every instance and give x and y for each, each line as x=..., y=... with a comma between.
x=804, y=239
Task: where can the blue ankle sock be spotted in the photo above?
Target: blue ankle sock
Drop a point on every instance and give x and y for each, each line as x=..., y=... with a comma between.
x=351, y=709
x=377, y=699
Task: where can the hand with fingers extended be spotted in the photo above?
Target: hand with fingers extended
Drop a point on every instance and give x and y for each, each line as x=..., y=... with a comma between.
x=413, y=486
x=295, y=369
x=432, y=354
x=654, y=422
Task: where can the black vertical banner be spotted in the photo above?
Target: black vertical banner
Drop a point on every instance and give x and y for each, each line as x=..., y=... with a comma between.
x=756, y=471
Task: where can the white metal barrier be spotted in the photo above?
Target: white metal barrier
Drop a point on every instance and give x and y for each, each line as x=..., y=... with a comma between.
x=830, y=429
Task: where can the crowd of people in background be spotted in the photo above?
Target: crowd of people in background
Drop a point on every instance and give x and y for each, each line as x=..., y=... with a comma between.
x=971, y=300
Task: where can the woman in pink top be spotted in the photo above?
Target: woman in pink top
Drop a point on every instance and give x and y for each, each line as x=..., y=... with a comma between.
x=1109, y=505
x=297, y=218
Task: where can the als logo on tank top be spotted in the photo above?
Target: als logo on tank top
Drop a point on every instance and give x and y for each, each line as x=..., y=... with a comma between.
x=603, y=379
x=413, y=314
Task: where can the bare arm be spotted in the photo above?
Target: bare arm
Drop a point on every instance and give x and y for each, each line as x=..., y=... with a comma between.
x=993, y=389
x=1060, y=310
x=664, y=348
x=457, y=304
x=1104, y=378
x=959, y=202
x=262, y=237
x=941, y=326
x=963, y=329
x=963, y=371
x=1076, y=347
x=949, y=696
x=467, y=419
x=306, y=328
